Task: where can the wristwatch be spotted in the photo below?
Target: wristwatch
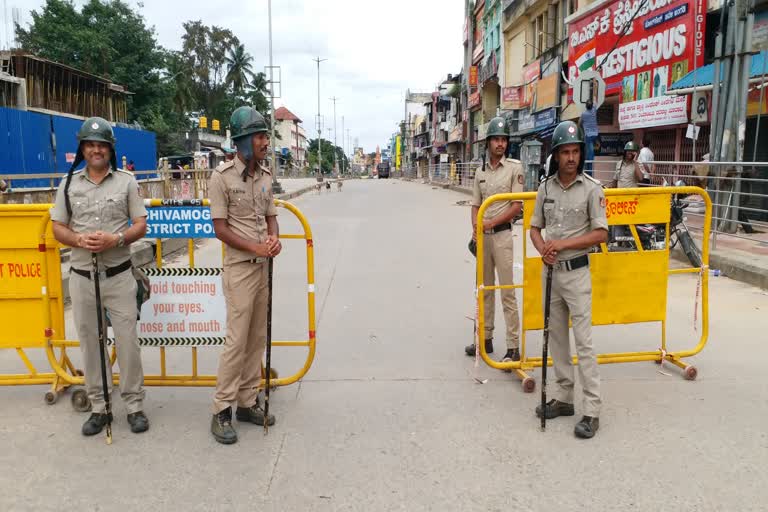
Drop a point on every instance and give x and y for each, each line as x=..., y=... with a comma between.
x=121, y=240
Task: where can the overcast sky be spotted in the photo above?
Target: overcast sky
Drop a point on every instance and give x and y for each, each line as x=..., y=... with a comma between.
x=375, y=50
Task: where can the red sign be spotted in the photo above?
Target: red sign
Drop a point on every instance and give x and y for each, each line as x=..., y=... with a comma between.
x=474, y=100
x=473, y=76
x=531, y=74
x=659, y=47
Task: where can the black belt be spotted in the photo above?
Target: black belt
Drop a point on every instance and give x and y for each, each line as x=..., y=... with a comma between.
x=110, y=272
x=573, y=264
x=497, y=228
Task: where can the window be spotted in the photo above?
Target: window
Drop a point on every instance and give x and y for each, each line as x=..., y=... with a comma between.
x=537, y=37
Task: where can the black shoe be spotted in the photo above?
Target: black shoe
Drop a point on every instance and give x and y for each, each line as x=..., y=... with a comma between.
x=139, y=422
x=254, y=414
x=96, y=423
x=587, y=427
x=513, y=354
x=470, y=349
x=221, y=427
x=556, y=408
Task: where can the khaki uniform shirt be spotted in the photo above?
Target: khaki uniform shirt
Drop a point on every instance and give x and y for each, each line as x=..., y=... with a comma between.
x=507, y=177
x=245, y=204
x=106, y=207
x=568, y=212
x=625, y=174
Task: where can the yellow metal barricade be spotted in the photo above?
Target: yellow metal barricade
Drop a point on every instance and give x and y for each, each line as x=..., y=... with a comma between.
x=643, y=274
x=31, y=298
x=31, y=295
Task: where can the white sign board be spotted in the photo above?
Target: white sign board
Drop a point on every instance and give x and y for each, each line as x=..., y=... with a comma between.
x=699, y=107
x=659, y=111
x=581, y=88
x=184, y=306
x=692, y=132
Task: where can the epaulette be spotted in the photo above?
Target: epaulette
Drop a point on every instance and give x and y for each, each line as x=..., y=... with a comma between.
x=514, y=161
x=124, y=171
x=593, y=180
x=223, y=166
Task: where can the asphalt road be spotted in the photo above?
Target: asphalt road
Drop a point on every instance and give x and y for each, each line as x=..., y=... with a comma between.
x=390, y=416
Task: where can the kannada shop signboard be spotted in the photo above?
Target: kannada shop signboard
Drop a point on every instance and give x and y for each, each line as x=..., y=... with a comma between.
x=660, y=46
x=662, y=111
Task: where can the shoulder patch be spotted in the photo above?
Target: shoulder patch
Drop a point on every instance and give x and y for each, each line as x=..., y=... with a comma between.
x=520, y=179
x=593, y=180
x=223, y=166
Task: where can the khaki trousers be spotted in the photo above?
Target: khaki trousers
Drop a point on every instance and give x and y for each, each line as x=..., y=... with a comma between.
x=118, y=297
x=245, y=290
x=572, y=293
x=497, y=259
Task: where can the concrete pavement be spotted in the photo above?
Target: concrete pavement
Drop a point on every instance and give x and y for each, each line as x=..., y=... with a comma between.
x=390, y=418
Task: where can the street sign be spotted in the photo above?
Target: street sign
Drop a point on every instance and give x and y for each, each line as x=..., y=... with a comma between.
x=179, y=222
x=699, y=107
x=581, y=88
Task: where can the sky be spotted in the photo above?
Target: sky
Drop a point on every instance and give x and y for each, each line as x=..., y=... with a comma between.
x=375, y=51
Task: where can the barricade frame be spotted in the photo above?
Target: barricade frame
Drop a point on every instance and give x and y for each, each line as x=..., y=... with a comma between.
x=65, y=375
x=522, y=368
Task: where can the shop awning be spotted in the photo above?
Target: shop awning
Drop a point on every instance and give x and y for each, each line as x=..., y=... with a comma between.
x=705, y=75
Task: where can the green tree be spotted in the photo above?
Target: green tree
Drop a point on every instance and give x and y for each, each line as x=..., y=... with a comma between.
x=239, y=69
x=106, y=38
x=328, y=151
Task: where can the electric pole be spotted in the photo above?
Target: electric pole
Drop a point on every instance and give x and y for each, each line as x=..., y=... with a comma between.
x=319, y=125
x=334, y=99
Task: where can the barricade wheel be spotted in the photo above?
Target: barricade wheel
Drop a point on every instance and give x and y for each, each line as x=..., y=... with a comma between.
x=690, y=373
x=79, y=373
x=80, y=401
x=529, y=384
x=51, y=397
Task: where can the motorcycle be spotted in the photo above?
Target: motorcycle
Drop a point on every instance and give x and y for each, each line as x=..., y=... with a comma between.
x=653, y=236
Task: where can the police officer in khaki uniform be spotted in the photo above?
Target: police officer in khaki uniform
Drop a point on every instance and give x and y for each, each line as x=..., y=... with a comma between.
x=245, y=219
x=500, y=175
x=570, y=206
x=91, y=214
x=629, y=172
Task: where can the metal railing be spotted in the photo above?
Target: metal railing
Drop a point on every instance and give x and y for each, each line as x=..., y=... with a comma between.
x=739, y=192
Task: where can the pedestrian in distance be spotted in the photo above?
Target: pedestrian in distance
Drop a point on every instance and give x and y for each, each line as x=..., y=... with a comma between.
x=245, y=220
x=570, y=206
x=497, y=176
x=629, y=172
x=99, y=211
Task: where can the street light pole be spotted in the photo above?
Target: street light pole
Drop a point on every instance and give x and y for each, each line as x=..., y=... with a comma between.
x=276, y=188
x=319, y=126
x=343, y=144
x=334, y=134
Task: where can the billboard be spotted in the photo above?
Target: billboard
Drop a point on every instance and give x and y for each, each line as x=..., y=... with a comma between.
x=656, y=42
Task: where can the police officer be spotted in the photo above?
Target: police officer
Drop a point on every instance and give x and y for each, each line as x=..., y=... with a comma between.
x=245, y=219
x=629, y=172
x=500, y=175
x=570, y=205
x=91, y=214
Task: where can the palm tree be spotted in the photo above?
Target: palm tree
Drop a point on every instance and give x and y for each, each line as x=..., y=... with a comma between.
x=240, y=68
x=179, y=72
